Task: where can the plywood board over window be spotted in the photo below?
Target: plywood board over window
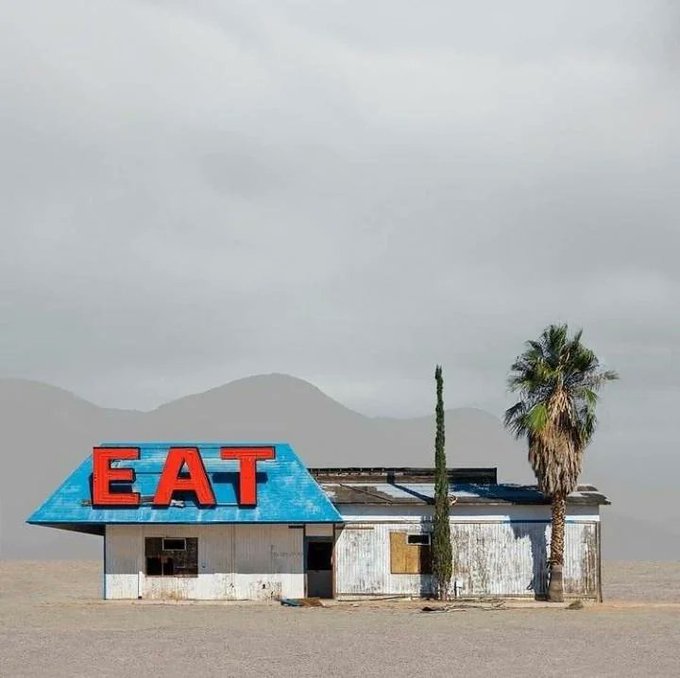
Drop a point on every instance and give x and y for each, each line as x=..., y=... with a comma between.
x=410, y=556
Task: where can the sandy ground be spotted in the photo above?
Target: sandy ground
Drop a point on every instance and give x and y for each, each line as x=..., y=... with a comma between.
x=53, y=624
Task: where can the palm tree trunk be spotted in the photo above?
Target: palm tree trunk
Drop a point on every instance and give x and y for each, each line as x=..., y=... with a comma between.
x=559, y=510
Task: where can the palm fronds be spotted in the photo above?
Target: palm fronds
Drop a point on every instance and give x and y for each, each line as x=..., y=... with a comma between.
x=557, y=379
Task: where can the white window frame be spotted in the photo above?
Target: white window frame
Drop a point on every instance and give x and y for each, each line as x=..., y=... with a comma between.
x=182, y=539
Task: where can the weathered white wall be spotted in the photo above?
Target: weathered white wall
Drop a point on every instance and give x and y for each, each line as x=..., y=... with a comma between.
x=123, y=561
x=499, y=551
x=235, y=562
x=491, y=558
x=362, y=562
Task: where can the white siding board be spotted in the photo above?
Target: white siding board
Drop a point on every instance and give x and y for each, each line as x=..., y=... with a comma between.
x=268, y=563
x=122, y=544
x=235, y=562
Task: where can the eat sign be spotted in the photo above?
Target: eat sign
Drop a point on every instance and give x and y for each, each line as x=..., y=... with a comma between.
x=195, y=479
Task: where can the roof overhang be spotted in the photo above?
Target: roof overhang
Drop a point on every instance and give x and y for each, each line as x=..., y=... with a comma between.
x=286, y=492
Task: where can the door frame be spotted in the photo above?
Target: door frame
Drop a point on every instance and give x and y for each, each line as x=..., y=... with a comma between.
x=330, y=539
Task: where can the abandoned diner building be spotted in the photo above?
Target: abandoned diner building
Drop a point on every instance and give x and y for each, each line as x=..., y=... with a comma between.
x=221, y=521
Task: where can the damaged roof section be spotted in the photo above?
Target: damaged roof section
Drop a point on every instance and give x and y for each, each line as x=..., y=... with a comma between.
x=403, y=474
x=416, y=486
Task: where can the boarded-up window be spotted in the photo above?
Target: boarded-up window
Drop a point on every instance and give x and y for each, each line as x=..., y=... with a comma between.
x=410, y=554
x=171, y=557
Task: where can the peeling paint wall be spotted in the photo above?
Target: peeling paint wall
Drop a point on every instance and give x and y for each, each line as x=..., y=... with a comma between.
x=362, y=562
x=235, y=562
x=490, y=558
x=493, y=556
x=510, y=559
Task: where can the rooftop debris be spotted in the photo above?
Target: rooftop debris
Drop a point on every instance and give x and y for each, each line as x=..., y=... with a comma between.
x=385, y=474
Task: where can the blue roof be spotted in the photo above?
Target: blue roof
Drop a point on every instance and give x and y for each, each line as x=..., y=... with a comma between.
x=286, y=492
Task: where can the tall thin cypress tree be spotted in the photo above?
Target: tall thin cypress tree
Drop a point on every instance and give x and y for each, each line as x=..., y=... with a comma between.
x=442, y=558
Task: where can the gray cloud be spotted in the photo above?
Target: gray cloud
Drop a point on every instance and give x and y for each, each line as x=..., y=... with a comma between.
x=346, y=193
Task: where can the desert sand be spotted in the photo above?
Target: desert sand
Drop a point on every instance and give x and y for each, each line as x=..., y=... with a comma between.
x=52, y=623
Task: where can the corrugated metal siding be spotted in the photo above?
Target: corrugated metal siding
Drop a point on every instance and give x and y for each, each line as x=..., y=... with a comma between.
x=362, y=562
x=235, y=562
x=490, y=559
x=510, y=559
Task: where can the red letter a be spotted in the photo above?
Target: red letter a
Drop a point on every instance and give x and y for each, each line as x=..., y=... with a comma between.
x=170, y=480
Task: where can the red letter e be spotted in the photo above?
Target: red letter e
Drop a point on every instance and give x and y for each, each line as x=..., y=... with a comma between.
x=103, y=475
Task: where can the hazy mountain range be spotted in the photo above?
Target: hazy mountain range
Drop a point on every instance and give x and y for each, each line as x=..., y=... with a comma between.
x=47, y=431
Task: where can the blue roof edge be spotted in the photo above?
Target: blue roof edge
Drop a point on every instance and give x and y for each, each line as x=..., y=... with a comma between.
x=309, y=497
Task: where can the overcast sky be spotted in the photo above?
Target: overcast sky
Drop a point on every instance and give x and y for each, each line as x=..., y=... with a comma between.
x=193, y=192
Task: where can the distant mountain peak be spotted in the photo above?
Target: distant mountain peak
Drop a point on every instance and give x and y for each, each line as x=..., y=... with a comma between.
x=272, y=389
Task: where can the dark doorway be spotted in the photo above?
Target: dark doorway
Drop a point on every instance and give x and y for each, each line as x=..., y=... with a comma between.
x=319, y=566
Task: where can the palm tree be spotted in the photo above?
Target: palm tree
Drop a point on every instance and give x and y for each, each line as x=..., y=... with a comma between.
x=557, y=379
